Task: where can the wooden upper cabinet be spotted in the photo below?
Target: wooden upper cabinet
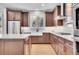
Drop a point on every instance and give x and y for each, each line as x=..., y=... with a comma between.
x=49, y=19
x=18, y=16
x=10, y=15
x=24, y=21
x=13, y=15
x=60, y=22
x=58, y=10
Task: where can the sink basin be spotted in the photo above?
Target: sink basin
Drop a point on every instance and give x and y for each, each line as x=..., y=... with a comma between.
x=62, y=33
x=26, y=33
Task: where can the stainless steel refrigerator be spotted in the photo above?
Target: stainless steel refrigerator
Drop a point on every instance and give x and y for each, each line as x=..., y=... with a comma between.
x=13, y=27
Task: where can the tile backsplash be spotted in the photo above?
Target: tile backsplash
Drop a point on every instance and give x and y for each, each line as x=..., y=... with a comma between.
x=41, y=29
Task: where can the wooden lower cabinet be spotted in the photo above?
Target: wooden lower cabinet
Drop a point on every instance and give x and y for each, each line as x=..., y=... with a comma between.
x=53, y=41
x=12, y=46
x=44, y=39
x=35, y=39
x=1, y=47
x=60, y=45
x=69, y=48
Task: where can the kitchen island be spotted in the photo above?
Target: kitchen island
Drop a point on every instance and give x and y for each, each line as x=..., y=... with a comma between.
x=12, y=44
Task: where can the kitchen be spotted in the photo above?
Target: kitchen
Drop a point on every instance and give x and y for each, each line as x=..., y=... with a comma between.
x=36, y=29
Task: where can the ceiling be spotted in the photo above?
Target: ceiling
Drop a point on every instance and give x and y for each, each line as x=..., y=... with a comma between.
x=30, y=6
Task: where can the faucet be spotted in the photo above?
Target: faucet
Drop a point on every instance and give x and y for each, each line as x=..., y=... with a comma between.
x=37, y=29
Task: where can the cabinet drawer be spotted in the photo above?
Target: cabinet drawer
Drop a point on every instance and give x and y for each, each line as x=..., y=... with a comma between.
x=68, y=50
x=68, y=42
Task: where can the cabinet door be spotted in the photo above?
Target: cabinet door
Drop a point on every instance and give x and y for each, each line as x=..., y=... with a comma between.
x=24, y=21
x=18, y=15
x=60, y=22
x=49, y=19
x=69, y=48
x=35, y=39
x=1, y=47
x=61, y=46
x=51, y=40
x=40, y=39
x=56, y=43
x=10, y=15
x=45, y=38
x=14, y=47
x=14, y=15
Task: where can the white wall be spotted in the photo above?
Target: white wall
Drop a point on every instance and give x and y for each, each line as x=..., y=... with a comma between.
x=3, y=10
x=1, y=15
x=68, y=19
x=4, y=21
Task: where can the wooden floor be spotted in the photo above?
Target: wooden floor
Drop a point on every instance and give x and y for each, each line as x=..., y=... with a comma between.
x=40, y=49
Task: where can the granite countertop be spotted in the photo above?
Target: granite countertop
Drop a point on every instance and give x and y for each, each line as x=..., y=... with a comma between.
x=68, y=37
x=18, y=36
x=14, y=36
x=24, y=36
